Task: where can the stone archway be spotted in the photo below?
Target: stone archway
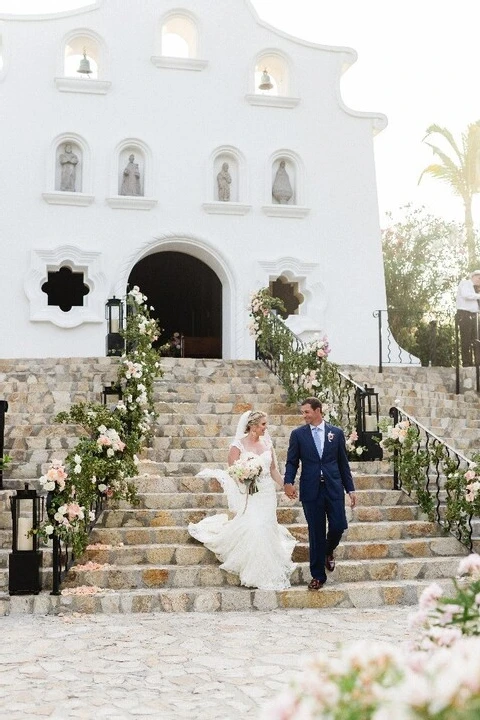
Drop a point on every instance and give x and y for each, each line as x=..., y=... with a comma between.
x=187, y=296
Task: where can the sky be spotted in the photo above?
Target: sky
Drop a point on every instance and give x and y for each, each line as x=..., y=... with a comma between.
x=418, y=64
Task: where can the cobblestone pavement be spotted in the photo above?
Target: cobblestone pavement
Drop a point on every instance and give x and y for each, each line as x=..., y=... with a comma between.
x=199, y=666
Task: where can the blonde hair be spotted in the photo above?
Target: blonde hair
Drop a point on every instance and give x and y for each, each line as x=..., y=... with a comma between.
x=254, y=419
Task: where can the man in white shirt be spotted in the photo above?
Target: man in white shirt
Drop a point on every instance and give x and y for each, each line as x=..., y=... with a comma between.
x=467, y=316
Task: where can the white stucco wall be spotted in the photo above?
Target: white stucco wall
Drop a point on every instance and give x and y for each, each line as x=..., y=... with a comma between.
x=181, y=117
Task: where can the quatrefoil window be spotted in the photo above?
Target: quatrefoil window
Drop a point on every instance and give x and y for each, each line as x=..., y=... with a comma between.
x=65, y=288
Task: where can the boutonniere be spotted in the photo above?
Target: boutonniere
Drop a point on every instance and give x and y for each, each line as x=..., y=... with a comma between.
x=330, y=436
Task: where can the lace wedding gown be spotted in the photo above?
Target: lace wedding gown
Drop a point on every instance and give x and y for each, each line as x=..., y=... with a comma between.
x=252, y=544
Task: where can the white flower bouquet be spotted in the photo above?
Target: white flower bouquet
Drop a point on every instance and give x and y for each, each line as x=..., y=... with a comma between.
x=247, y=470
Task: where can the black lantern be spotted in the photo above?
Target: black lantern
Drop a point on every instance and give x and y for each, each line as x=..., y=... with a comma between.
x=112, y=394
x=25, y=560
x=368, y=419
x=114, y=316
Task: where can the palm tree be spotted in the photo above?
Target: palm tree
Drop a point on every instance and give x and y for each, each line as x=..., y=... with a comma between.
x=461, y=173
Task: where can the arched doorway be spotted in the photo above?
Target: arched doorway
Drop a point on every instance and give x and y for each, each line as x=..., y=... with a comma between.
x=187, y=296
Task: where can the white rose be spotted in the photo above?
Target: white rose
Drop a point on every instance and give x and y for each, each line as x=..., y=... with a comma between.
x=49, y=529
x=110, y=452
x=102, y=487
x=78, y=459
x=49, y=486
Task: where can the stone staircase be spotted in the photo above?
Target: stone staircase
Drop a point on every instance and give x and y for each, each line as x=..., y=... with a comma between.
x=144, y=558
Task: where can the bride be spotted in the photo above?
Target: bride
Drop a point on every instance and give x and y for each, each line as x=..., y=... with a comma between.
x=252, y=544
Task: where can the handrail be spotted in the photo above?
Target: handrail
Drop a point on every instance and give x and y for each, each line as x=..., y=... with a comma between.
x=281, y=351
x=439, y=459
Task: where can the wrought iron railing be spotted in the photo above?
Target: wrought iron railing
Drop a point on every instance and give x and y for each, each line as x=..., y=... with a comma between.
x=63, y=556
x=3, y=410
x=347, y=401
x=438, y=460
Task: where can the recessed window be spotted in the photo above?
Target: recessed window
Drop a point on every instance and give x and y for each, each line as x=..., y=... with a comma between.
x=288, y=293
x=179, y=37
x=65, y=288
x=271, y=75
x=81, y=58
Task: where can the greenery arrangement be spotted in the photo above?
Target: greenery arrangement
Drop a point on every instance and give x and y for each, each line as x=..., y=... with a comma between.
x=104, y=460
x=406, y=448
x=436, y=676
x=304, y=368
x=5, y=461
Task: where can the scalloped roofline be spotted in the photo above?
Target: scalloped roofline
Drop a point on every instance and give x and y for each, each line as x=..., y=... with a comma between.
x=350, y=56
x=52, y=16
x=347, y=51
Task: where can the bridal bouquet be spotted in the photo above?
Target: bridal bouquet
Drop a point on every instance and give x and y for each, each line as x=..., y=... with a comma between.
x=247, y=470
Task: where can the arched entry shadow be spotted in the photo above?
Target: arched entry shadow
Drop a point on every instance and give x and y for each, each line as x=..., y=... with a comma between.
x=187, y=296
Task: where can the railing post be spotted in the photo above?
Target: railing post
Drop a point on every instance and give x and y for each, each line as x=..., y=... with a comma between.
x=457, y=358
x=3, y=410
x=378, y=314
x=394, y=414
x=56, y=570
x=433, y=342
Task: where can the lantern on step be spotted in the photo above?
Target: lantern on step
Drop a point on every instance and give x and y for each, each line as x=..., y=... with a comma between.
x=111, y=395
x=368, y=418
x=25, y=560
x=114, y=317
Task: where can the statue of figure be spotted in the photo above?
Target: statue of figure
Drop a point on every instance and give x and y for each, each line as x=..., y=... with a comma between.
x=282, y=190
x=131, y=178
x=68, y=161
x=223, y=181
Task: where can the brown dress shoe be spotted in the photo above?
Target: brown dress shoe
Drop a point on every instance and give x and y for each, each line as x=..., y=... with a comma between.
x=330, y=563
x=315, y=584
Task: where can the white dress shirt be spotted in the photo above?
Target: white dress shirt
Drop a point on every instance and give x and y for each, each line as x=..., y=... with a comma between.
x=467, y=298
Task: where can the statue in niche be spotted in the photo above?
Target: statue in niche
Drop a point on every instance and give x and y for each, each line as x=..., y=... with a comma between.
x=131, y=178
x=282, y=189
x=68, y=162
x=224, y=180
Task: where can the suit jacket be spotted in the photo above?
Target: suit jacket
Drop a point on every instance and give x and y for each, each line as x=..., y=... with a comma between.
x=332, y=466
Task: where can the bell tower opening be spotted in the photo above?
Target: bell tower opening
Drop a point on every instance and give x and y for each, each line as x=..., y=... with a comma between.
x=187, y=298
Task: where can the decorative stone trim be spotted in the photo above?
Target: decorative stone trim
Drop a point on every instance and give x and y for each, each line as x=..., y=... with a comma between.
x=127, y=202
x=226, y=208
x=82, y=85
x=174, y=63
x=89, y=262
x=63, y=197
x=280, y=101
x=292, y=211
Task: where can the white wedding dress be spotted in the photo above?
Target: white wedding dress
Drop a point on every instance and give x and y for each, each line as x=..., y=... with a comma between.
x=252, y=544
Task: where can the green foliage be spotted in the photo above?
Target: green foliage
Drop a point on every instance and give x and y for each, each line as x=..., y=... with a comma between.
x=407, y=448
x=458, y=168
x=303, y=368
x=105, y=459
x=423, y=264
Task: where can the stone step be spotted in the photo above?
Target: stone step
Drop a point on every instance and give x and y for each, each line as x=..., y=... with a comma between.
x=160, y=484
x=151, y=575
x=224, y=599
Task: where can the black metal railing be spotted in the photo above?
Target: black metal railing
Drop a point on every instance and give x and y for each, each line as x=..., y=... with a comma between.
x=438, y=461
x=3, y=410
x=345, y=398
x=63, y=556
x=433, y=342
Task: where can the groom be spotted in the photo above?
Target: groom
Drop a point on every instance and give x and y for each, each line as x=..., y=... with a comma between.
x=324, y=479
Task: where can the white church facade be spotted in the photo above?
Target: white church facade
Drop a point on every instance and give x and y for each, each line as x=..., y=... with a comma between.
x=195, y=151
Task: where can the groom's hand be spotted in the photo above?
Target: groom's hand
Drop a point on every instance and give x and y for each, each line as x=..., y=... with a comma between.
x=290, y=491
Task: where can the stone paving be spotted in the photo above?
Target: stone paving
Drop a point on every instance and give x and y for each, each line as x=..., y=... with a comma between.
x=200, y=666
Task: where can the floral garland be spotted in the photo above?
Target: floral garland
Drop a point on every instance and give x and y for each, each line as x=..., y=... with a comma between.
x=105, y=459
x=302, y=371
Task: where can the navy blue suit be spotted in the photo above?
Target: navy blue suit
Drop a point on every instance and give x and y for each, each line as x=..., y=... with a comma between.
x=323, y=484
